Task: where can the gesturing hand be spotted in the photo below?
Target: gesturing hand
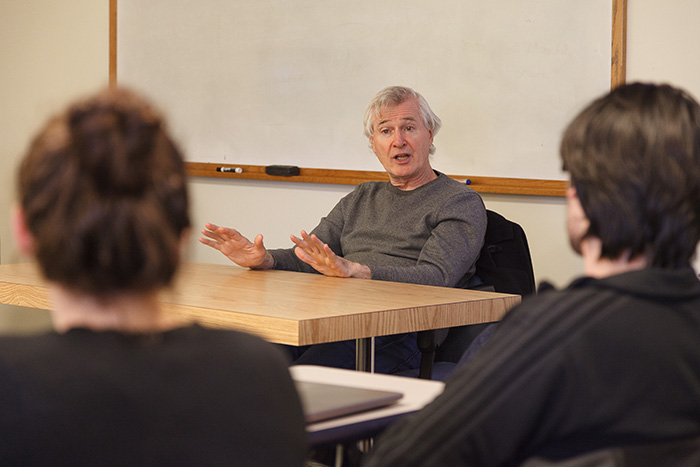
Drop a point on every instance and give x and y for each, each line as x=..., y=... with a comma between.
x=311, y=250
x=236, y=247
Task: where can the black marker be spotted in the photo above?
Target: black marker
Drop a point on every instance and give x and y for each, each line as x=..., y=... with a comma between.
x=236, y=170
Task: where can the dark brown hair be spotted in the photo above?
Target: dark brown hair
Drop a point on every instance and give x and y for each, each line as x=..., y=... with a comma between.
x=103, y=189
x=634, y=159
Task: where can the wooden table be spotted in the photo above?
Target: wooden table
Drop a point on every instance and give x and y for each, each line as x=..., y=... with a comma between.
x=295, y=308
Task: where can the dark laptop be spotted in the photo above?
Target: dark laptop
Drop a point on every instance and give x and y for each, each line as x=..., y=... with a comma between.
x=325, y=401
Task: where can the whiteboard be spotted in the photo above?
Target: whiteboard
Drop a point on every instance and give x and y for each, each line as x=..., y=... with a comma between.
x=265, y=82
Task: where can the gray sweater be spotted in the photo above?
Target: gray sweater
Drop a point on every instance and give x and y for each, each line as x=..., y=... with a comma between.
x=431, y=235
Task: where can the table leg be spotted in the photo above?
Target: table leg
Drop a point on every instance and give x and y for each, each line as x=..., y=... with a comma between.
x=364, y=354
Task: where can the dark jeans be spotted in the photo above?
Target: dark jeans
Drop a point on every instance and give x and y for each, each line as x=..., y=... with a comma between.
x=392, y=354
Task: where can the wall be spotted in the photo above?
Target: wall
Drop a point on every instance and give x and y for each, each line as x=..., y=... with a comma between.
x=56, y=50
x=52, y=51
x=662, y=40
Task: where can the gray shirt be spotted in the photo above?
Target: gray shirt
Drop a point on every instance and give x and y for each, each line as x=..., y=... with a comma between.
x=431, y=235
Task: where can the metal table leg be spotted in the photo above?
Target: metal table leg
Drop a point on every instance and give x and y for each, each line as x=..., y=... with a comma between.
x=364, y=354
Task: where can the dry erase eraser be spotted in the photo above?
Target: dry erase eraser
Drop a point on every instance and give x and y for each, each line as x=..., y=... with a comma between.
x=282, y=170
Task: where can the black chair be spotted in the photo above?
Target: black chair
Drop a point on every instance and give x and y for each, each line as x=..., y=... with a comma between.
x=505, y=266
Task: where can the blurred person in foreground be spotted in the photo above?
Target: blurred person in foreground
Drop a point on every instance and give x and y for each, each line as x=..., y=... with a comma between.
x=103, y=208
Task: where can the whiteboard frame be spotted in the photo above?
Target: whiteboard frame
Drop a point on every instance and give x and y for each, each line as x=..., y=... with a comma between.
x=523, y=186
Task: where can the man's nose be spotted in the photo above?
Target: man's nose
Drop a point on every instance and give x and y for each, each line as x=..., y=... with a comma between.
x=399, y=140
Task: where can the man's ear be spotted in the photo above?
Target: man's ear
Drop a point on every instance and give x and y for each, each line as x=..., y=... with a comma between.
x=23, y=237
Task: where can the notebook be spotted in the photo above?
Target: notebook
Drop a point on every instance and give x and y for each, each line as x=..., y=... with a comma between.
x=325, y=401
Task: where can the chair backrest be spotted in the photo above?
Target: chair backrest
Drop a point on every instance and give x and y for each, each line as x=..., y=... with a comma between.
x=505, y=266
x=505, y=262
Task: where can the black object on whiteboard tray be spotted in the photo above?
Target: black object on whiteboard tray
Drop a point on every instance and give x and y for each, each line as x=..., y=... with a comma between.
x=282, y=170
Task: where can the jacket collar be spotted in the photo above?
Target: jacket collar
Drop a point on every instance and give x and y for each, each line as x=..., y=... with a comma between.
x=651, y=283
